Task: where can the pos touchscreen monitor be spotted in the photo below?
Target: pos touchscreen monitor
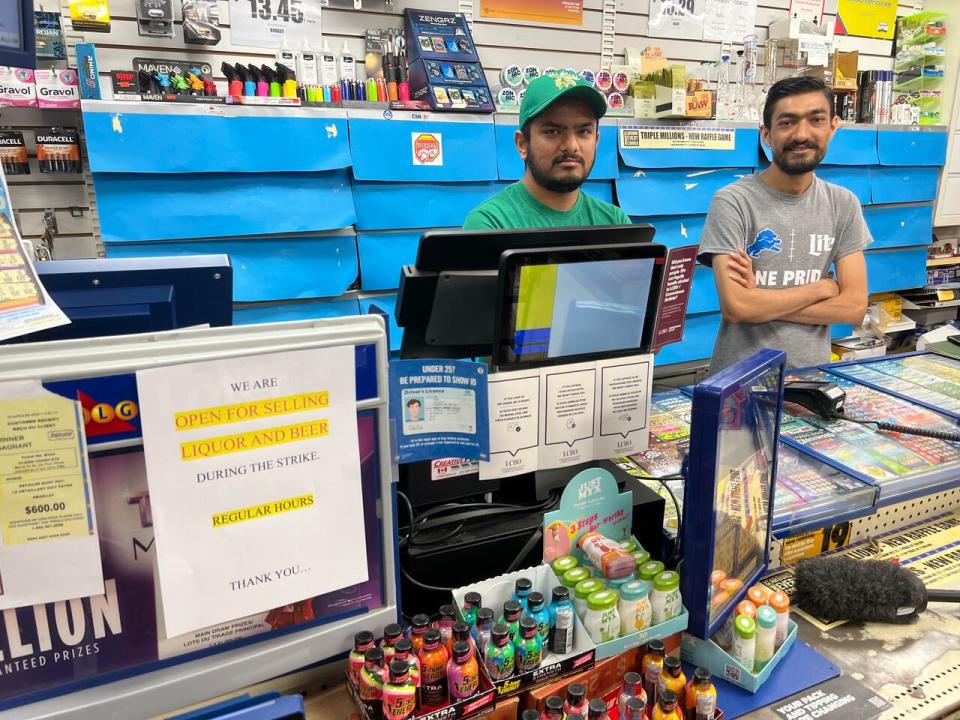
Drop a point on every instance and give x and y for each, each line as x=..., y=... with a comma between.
x=562, y=305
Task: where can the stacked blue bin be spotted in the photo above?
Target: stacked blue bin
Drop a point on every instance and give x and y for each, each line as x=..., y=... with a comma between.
x=672, y=190
x=280, y=190
x=398, y=199
x=893, y=171
x=270, y=187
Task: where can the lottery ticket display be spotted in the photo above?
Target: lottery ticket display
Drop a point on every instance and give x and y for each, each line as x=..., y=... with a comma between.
x=929, y=380
x=806, y=488
x=895, y=462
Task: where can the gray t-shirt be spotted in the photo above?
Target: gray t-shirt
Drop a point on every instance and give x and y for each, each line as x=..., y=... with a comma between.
x=792, y=240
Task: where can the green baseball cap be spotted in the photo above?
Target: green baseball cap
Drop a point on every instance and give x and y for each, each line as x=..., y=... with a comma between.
x=547, y=89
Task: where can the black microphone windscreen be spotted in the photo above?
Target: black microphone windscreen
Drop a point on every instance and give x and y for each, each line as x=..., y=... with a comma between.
x=841, y=588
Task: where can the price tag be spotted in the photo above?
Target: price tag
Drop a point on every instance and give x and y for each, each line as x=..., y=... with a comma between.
x=945, y=295
x=275, y=23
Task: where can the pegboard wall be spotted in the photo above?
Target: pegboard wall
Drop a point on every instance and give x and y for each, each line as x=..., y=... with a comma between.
x=938, y=695
x=890, y=518
x=893, y=517
x=500, y=43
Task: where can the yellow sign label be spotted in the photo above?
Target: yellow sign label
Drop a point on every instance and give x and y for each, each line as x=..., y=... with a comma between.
x=254, y=410
x=867, y=18
x=42, y=479
x=945, y=295
x=813, y=543
x=268, y=509
x=253, y=440
x=640, y=137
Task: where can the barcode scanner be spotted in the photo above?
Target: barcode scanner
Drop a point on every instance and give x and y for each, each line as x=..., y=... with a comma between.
x=825, y=399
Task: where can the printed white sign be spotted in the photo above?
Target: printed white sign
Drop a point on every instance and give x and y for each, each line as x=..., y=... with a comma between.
x=567, y=414
x=729, y=20
x=253, y=466
x=289, y=24
x=49, y=548
x=676, y=19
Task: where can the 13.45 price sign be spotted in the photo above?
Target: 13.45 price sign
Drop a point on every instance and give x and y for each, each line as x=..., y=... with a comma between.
x=275, y=23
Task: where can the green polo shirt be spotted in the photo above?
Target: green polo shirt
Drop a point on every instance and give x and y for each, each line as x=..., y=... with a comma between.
x=515, y=207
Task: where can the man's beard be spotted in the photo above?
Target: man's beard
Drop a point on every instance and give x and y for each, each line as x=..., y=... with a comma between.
x=553, y=184
x=801, y=167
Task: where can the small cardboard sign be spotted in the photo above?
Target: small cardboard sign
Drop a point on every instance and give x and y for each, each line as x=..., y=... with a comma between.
x=675, y=295
x=591, y=502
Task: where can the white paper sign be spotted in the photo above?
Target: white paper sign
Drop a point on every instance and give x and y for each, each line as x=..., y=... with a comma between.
x=254, y=475
x=25, y=305
x=567, y=414
x=807, y=10
x=289, y=24
x=817, y=48
x=49, y=547
x=676, y=19
x=513, y=399
x=729, y=20
x=624, y=386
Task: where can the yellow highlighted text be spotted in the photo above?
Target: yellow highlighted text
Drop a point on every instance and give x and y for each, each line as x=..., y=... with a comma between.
x=253, y=440
x=268, y=509
x=253, y=410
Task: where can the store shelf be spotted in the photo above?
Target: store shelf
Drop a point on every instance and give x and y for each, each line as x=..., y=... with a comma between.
x=941, y=262
x=905, y=324
x=918, y=83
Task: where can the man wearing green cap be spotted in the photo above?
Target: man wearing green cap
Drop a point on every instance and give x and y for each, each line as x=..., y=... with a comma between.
x=557, y=140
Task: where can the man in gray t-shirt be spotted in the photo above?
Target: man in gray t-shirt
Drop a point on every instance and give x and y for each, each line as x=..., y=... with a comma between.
x=773, y=237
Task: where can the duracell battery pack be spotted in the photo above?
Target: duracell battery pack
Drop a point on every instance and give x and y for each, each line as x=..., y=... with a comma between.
x=58, y=150
x=13, y=153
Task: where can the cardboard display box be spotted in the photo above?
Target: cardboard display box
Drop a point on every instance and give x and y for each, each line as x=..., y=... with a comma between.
x=497, y=591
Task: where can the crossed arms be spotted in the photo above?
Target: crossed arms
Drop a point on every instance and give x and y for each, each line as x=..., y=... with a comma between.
x=825, y=301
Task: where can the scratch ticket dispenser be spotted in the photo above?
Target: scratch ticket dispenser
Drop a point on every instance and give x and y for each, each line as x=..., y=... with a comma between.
x=730, y=476
x=445, y=69
x=123, y=653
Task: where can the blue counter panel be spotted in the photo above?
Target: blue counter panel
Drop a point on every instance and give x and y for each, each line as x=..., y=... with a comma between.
x=912, y=147
x=899, y=269
x=903, y=184
x=385, y=150
x=676, y=231
x=387, y=303
x=278, y=268
x=899, y=225
x=382, y=254
x=190, y=143
x=135, y=208
x=672, y=192
x=248, y=314
x=395, y=206
x=703, y=292
x=853, y=178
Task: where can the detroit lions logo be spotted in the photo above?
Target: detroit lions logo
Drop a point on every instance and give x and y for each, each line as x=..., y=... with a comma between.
x=766, y=239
